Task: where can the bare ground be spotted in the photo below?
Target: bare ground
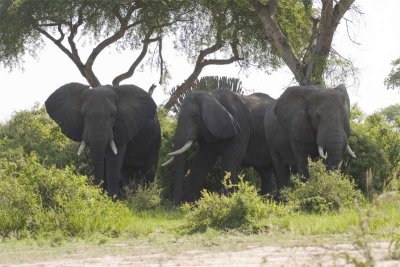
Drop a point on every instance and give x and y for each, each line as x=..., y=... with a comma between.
x=260, y=255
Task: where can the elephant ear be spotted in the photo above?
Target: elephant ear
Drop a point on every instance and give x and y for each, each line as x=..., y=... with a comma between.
x=217, y=118
x=342, y=89
x=292, y=111
x=63, y=106
x=135, y=108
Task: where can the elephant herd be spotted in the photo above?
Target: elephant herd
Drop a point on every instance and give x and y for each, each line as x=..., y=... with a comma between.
x=274, y=136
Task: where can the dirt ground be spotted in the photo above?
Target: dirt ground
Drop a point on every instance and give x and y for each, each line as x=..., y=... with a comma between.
x=264, y=255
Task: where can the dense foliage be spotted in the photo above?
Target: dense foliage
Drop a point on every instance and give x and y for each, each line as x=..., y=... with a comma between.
x=37, y=200
x=42, y=187
x=34, y=131
x=323, y=192
x=244, y=209
x=376, y=141
x=206, y=32
x=141, y=198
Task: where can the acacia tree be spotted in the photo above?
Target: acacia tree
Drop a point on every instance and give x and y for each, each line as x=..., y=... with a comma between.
x=230, y=28
x=128, y=24
x=208, y=32
x=310, y=62
x=201, y=29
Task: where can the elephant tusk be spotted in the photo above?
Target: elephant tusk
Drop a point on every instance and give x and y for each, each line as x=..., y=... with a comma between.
x=81, y=148
x=182, y=149
x=348, y=149
x=321, y=152
x=168, y=161
x=113, y=147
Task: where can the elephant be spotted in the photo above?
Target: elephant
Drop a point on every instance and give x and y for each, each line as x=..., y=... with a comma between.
x=118, y=123
x=226, y=125
x=307, y=122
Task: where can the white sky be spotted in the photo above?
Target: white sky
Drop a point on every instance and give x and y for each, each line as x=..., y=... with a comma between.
x=376, y=31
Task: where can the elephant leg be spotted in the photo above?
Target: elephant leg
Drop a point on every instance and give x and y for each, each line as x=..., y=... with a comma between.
x=281, y=171
x=302, y=160
x=266, y=181
x=231, y=160
x=113, y=170
x=151, y=164
x=303, y=168
x=97, y=180
x=202, y=163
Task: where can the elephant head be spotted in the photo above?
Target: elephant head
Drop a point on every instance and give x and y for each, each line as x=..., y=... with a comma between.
x=102, y=118
x=317, y=116
x=202, y=118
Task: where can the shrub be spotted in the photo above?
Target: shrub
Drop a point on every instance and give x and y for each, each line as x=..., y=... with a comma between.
x=371, y=163
x=324, y=192
x=42, y=200
x=244, y=209
x=140, y=198
x=376, y=141
x=34, y=131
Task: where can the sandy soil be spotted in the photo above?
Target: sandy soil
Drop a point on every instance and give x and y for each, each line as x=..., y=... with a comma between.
x=332, y=255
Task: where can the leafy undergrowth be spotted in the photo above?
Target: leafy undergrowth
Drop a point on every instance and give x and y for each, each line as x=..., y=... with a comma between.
x=323, y=192
x=244, y=209
x=325, y=205
x=46, y=204
x=37, y=201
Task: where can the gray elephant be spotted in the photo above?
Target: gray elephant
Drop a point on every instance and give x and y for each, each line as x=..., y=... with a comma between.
x=118, y=123
x=226, y=125
x=307, y=121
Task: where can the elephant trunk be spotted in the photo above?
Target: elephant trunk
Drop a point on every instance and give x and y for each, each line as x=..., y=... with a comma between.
x=331, y=143
x=334, y=151
x=186, y=132
x=179, y=177
x=98, y=158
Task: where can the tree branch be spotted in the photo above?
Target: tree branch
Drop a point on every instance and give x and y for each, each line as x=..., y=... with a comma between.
x=112, y=39
x=132, y=68
x=200, y=64
x=160, y=56
x=278, y=39
x=330, y=16
x=58, y=43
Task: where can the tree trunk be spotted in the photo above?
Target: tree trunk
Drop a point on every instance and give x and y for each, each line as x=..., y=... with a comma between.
x=310, y=69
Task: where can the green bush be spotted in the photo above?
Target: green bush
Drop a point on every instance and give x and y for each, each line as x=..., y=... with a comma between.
x=376, y=142
x=324, y=192
x=34, y=131
x=244, y=210
x=42, y=200
x=142, y=198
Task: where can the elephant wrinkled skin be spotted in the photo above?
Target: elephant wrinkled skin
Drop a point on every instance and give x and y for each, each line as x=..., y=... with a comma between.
x=307, y=121
x=226, y=125
x=118, y=123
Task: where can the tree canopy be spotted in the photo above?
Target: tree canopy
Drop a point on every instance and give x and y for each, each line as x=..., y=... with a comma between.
x=265, y=34
x=127, y=24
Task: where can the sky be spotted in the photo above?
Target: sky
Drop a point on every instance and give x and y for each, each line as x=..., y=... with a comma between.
x=376, y=31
